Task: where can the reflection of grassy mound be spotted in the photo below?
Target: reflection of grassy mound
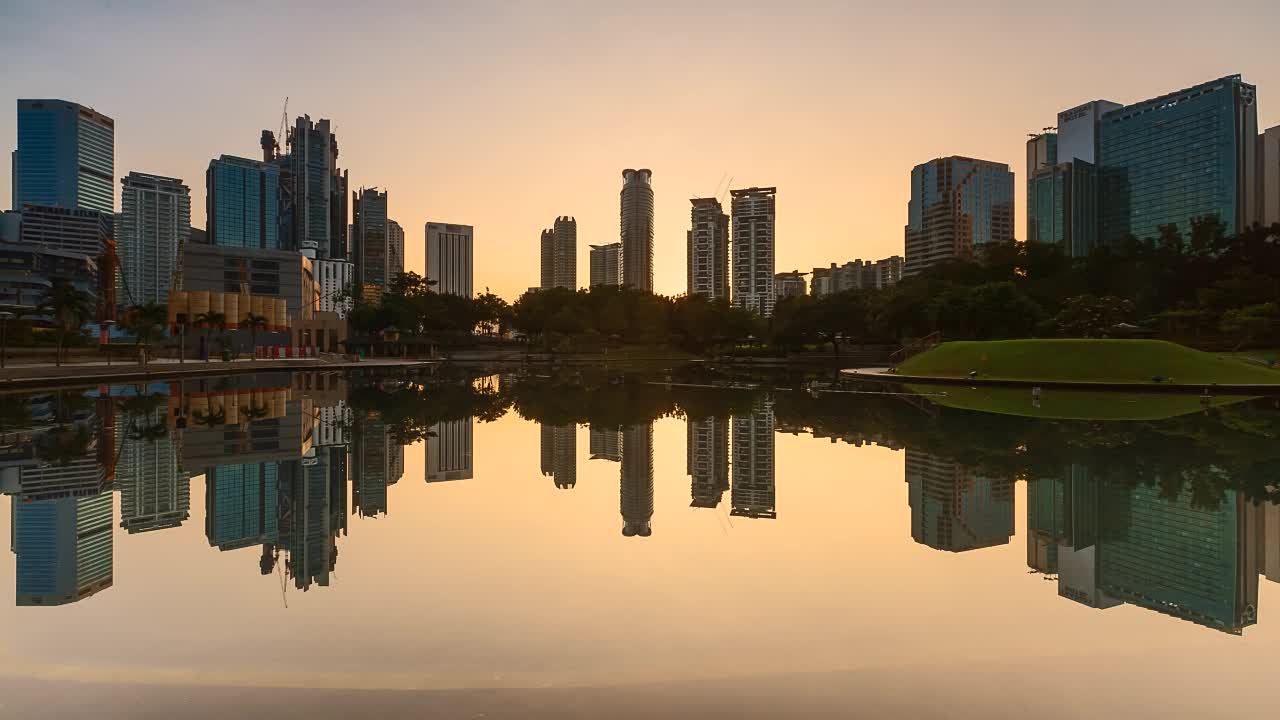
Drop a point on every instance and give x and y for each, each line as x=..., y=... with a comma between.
x=1070, y=404
x=1126, y=361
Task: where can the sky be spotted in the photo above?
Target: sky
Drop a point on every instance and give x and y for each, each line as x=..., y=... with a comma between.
x=505, y=115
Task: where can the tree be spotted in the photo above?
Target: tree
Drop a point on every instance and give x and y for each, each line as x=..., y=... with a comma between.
x=146, y=324
x=210, y=321
x=71, y=309
x=1088, y=316
x=254, y=323
x=1250, y=323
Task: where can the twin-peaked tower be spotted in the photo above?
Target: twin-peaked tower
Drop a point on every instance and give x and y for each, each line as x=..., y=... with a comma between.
x=560, y=255
x=734, y=260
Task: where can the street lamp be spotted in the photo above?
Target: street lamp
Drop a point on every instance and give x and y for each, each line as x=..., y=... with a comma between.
x=5, y=317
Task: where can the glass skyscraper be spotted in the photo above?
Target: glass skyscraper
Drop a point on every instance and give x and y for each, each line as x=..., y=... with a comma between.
x=957, y=204
x=242, y=203
x=1182, y=156
x=65, y=156
x=370, y=241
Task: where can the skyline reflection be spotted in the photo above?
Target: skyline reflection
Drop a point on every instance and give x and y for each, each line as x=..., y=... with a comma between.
x=292, y=464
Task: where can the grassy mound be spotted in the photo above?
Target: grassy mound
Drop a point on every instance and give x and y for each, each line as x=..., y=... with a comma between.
x=1109, y=361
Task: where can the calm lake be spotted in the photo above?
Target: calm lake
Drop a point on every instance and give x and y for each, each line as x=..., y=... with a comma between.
x=745, y=545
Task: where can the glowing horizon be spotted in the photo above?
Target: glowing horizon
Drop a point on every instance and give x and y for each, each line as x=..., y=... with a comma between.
x=508, y=115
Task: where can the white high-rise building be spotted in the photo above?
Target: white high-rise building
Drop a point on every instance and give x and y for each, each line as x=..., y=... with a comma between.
x=753, y=490
x=559, y=251
x=449, y=451
x=606, y=264
x=153, y=227
x=450, y=257
x=753, y=241
x=334, y=277
x=708, y=249
x=637, y=229
x=395, y=250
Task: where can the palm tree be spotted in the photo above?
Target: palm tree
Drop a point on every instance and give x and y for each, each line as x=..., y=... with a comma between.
x=255, y=323
x=209, y=321
x=71, y=308
x=146, y=322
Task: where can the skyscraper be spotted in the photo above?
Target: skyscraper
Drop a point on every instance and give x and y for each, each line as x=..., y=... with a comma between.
x=369, y=466
x=753, y=245
x=85, y=232
x=450, y=257
x=1147, y=151
x=957, y=204
x=1269, y=177
x=707, y=461
x=606, y=264
x=63, y=548
x=65, y=156
x=369, y=210
x=605, y=443
x=753, y=491
x=559, y=252
x=154, y=225
x=395, y=250
x=241, y=503
x=708, y=249
x=449, y=451
x=316, y=192
x=242, y=203
x=637, y=480
x=1062, y=181
x=637, y=229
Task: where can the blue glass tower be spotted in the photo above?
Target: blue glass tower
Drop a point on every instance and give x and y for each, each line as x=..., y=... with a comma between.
x=1187, y=155
x=65, y=156
x=242, y=203
x=63, y=548
x=957, y=204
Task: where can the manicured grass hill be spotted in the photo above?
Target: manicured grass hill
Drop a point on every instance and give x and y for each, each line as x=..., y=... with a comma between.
x=1086, y=360
x=1071, y=404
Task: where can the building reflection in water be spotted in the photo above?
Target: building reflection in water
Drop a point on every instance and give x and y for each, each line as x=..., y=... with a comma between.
x=559, y=454
x=280, y=454
x=955, y=509
x=449, y=451
x=637, y=480
x=753, y=490
x=707, y=460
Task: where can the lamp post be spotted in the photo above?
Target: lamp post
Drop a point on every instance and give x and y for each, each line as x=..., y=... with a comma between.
x=5, y=317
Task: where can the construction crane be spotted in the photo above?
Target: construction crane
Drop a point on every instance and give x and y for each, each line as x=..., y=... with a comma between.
x=284, y=121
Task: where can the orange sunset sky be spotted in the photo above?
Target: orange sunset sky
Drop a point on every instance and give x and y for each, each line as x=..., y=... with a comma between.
x=504, y=115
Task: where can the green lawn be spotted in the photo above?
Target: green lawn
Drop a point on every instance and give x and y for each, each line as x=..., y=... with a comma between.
x=1135, y=361
x=1070, y=404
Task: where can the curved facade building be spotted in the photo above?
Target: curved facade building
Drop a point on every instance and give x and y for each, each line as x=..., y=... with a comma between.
x=637, y=229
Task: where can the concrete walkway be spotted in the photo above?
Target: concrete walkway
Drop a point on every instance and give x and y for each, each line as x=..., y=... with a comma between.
x=28, y=376
x=884, y=375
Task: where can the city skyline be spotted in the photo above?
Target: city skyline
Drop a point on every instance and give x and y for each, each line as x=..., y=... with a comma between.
x=841, y=160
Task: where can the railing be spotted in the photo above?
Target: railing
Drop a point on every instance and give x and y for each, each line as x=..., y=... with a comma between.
x=916, y=347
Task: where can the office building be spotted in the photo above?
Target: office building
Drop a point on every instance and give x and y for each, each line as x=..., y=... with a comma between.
x=707, y=461
x=65, y=156
x=606, y=264
x=449, y=451
x=789, y=284
x=954, y=509
x=637, y=229
x=1269, y=177
x=1062, y=180
x=450, y=261
x=84, y=232
x=369, y=244
x=605, y=443
x=753, y=492
x=154, y=495
x=559, y=254
x=636, y=480
x=315, y=196
x=29, y=272
x=753, y=245
x=335, y=278
x=1269, y=538
x=241, y=504
x=63, y=549
x=314, y=514
x=369, y=466
x=395, y=251
x=708, y=249
x=957, y=204
x=1147, y=150
x=559, y=454
x=272, y=273
x=242, y=204
x=153, y=227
